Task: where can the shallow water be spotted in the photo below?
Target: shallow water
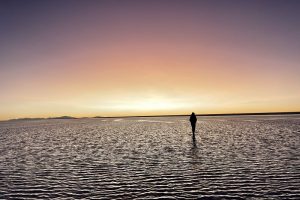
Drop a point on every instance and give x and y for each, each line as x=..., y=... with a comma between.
x=248, y=157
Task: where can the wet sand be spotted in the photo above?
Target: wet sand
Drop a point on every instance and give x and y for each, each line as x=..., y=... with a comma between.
x=246, y=157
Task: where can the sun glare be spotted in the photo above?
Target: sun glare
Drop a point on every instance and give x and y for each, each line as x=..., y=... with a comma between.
x=154, y=104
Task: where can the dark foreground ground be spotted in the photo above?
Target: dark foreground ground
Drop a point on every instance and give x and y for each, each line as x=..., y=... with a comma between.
x=246, y=157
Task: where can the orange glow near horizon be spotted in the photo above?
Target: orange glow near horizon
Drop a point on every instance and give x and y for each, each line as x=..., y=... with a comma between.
x=148, y=60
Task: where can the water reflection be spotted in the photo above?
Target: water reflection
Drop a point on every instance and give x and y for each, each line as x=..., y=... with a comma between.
x=194, y=142
x=194, y=150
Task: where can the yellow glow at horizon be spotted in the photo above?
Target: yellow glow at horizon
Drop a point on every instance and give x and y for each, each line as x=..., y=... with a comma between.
x=154, y=104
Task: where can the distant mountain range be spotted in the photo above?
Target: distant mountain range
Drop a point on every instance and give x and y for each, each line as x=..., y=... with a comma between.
x=62, y=117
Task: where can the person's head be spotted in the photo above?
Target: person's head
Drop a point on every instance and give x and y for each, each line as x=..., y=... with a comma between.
x=193, y=113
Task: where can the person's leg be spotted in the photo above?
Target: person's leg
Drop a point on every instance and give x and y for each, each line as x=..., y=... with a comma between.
x=193, y=127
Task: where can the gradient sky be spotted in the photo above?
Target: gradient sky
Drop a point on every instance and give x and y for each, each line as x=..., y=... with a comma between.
x=138, y=57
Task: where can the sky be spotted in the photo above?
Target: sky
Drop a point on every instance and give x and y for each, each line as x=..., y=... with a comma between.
x=142, y=57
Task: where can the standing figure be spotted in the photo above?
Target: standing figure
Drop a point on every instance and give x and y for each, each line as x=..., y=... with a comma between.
x=193, y=120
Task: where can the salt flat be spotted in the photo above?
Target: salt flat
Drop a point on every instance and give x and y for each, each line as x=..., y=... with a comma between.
x=246, y=157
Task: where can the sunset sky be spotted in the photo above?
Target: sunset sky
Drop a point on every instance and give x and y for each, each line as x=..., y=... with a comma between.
x=138, y=57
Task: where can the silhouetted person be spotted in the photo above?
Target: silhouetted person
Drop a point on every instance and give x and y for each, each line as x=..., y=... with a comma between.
x=193, y=120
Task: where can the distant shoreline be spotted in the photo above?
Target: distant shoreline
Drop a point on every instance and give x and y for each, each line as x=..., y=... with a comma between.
x=200, y=115
x=207, y=115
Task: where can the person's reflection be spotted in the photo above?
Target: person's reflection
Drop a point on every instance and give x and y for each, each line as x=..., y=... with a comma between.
x=194, y=144
x=194, y=151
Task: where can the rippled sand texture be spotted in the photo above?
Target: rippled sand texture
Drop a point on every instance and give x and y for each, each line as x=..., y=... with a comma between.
x=151, y=158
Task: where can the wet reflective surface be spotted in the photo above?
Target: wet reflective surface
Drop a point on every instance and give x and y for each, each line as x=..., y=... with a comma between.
x=253, y=157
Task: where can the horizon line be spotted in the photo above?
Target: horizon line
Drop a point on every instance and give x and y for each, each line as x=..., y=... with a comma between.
x=175, y=115
x=210, y=114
